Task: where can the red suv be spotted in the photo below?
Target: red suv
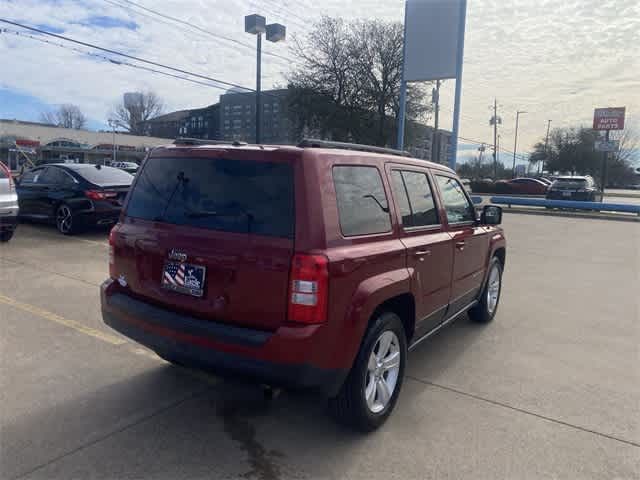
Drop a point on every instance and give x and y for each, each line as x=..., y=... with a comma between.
x=310, y=266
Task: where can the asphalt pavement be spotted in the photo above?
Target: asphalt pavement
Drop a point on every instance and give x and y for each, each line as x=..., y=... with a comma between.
x=550, y=389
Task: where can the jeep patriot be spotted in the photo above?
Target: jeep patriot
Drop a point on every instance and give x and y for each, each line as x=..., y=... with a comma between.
x=318, y=266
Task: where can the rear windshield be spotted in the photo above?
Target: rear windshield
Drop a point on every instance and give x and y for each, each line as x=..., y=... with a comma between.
x=571, y=182
x=239, y=196
x=104, y=176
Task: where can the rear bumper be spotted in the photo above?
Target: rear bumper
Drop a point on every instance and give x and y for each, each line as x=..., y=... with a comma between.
x=575, y=196
x=217, y=347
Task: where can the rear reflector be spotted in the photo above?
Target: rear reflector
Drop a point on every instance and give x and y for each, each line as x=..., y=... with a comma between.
x=309, y=289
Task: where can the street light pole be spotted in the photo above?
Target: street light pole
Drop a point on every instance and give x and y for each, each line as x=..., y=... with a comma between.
x=258, y=91
x=112, y=124
x=515, y=145
x=257, y=25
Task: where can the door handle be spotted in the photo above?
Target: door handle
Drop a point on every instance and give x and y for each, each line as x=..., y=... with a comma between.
x=422, y=253
x=460, y=245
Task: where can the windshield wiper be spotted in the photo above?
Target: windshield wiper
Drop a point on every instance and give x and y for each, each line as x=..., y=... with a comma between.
x=181, y=180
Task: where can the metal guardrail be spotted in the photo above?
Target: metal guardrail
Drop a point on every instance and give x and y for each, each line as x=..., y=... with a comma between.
x=537, y=202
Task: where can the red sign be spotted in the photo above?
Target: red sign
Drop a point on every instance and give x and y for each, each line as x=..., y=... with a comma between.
x=609, y=118
x=27, y=143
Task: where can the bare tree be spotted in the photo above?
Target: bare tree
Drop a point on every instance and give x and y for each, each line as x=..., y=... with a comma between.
x=135, y=109
x=355, y=70
x=67, y=116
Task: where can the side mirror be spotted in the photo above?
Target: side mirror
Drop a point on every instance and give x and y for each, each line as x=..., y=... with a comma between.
x=491, y=215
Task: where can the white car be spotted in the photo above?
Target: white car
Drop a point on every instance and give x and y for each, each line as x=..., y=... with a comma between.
x=8, y=204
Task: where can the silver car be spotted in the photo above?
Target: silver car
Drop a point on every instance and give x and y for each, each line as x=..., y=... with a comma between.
x=8, y=204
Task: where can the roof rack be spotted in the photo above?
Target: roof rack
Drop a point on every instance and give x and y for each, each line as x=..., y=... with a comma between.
x=204, y=141
x=314, y=143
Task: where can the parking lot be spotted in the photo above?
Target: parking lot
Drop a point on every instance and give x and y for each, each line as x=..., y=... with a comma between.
x=550, y=389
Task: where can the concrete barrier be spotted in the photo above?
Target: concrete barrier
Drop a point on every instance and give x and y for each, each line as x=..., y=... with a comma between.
x=589, y=206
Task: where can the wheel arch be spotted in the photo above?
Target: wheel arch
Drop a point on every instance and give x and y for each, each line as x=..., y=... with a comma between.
x=403, y=305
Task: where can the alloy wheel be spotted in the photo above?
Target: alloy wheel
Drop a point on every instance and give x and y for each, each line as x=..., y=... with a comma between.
x=382, y=373
x=64, y=219
x=493, y=289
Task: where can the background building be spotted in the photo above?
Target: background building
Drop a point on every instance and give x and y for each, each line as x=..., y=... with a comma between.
x=33, y=143
x=233, y=119
x=197, y=123
x=238, y=115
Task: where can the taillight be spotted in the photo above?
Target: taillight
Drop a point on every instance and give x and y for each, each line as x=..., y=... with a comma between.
x=112, y=266
x=309, y=289
x=99, y=194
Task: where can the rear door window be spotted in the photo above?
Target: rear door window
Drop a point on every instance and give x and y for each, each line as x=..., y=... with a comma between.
x=240, y=196
x=31, y=177
x=362, y=201
x=55, y=176
x=415, y=198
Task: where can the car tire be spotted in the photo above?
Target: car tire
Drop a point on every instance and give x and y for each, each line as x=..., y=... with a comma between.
x=371, y=390
x=6, y=235
x=485, y=310
x=66, y=221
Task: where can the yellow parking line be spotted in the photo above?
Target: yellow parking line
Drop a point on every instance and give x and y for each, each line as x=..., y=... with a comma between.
x=52, y=317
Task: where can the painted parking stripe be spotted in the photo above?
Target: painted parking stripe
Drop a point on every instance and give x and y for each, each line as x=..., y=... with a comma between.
x=52, y=317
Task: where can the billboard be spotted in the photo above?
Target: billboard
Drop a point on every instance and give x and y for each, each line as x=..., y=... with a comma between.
x=432, y=33
x=609, y=118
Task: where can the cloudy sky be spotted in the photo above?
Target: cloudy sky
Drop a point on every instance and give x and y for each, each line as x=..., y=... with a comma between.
x=556, y=59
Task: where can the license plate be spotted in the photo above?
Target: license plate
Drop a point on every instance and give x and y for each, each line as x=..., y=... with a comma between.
x=184, y=278
x=566, y=194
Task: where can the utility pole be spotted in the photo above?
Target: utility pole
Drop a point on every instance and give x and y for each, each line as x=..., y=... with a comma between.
x=546, y=148
x=435, y=145
x=495, y=173
x=495, y=120
x=515, y=145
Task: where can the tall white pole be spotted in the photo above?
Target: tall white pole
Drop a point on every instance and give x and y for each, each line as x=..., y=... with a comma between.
x=456, y=109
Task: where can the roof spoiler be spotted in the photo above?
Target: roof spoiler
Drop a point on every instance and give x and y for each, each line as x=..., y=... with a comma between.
x=314, y=143
x=201, y=141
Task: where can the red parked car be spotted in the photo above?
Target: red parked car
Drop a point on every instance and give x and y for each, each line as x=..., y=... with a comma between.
x=522, y=186
x=311, y=266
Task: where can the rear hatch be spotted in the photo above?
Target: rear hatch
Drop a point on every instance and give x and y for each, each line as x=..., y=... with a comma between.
x=210, y=236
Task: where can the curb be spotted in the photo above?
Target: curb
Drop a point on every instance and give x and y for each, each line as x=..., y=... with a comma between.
x=622, y=195
x=592, y=216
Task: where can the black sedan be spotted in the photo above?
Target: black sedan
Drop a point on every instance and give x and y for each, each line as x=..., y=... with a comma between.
x=73, y=196
x=573, y=188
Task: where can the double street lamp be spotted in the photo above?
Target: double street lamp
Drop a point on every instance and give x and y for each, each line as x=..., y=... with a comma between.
x=275, y=32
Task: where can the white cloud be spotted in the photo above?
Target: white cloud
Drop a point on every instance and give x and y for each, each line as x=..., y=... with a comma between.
x=557, y=59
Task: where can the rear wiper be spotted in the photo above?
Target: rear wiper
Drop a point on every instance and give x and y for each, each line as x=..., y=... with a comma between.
x=209, y=214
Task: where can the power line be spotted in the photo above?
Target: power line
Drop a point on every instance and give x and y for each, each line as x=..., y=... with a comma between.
x=285, y=6
x=196, y=27
x=110, y=60
x=124, y=55
x=300, y=24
